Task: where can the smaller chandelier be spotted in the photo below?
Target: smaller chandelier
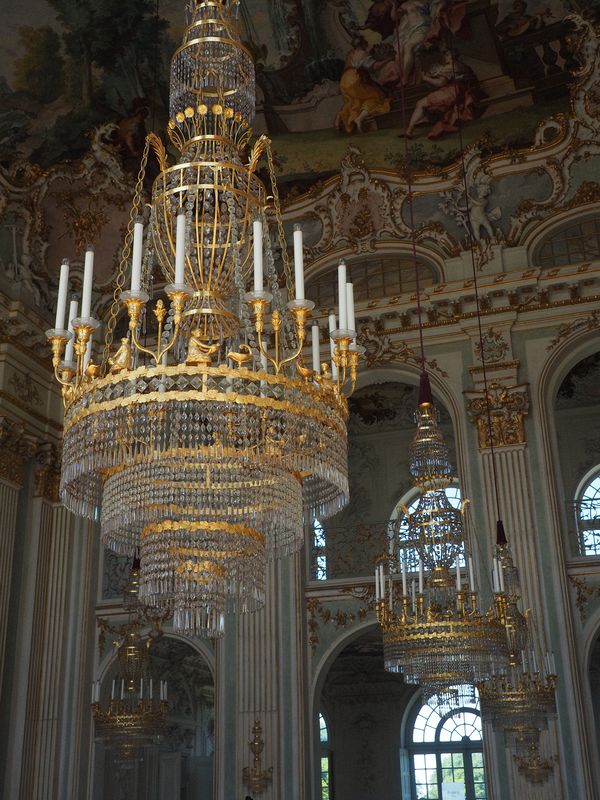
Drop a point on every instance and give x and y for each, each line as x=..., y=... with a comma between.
x=135, y=714
x=435, y=636
x=534, y=767
x=518, y=700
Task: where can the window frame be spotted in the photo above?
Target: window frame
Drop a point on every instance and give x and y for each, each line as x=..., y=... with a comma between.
x=466, y=747
x=584, y=526
x=325, y=752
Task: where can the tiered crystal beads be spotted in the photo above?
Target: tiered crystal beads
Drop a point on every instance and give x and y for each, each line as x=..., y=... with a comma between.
x=209, y=472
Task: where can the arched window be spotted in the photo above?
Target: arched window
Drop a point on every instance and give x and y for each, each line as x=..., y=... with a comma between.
x=577, y=241
x=446, y=747
x=587, y=509
x=319, y=550
x=325, y=760
x=378, y=277
x=399, y=528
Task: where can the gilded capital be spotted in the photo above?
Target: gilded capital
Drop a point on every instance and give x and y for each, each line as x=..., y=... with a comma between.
x=47, y=472
x=508, y=406
x=17, y=447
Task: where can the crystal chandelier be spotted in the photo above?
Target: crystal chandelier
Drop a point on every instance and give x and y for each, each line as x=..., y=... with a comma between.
x=518, y=700
x=207, y=443
x=435, y=636
x=135, y=714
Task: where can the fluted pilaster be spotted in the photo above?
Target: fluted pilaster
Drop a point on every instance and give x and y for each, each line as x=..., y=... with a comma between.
x=16, y=448
x=268, y=684
x=41, y=741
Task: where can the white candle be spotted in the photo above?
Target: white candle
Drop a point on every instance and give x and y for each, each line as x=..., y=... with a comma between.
x=471, y=574
x=141, y=688
x=332, y=327
x=150, y=688
x=112, y=691
x=316, y=354
x=63, y=287
x=298, y=263
x=165, y=690
x=523, y=662
x=350, y=306
x=458, y=582
x=495, y=581
x=376, y=583
x=534, y=665
x=413, y=594
x=552, y=664
x=136, y=260
x=258, y=255
x=501, y=575
x=180, y=248
x=420, y=576
x=404, y=592
x=70, y=344
x=343, y=301
x=88, y=279
x=88, y=352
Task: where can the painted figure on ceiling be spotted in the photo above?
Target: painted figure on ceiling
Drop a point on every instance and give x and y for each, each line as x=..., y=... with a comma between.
x=411, y=26
x=518, y=21
x=456, y=97
x=362, y=96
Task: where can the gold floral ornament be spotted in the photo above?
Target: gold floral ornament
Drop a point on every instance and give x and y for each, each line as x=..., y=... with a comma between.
x=508, y=406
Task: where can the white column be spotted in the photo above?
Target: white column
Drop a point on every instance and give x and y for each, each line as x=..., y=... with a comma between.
x=9, y=497
x=269, y=674
x=46, y=680
x=515, y=497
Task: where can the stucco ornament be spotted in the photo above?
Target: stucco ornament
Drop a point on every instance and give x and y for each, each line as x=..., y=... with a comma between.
x=358, y=210
x=473, y=207
x=508, y=406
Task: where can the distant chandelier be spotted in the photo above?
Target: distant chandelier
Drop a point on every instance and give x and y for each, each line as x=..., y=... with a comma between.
x=134, y=716
x=206, y=445
x=519, y=699
x=435, y=636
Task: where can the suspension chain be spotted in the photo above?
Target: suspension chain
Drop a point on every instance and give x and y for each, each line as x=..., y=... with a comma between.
x=289, y=278
x=125, y=255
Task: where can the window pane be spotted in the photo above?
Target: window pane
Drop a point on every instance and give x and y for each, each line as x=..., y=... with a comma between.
x=459, y=728
x=588, y=518
x=578, y=242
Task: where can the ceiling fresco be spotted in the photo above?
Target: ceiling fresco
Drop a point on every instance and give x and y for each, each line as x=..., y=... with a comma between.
x=328, y=74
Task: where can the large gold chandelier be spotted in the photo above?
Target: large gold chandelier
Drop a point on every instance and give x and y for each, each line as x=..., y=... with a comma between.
x=206, y=446
x=435, y=634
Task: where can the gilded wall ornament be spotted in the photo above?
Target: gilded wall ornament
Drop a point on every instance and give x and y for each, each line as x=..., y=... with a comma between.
x=588, y=322
x=319, y=614
x=583, y=594
x=492, y=348
x=25, y=389
x=47, y=472
x=382, y=349
x=508, y=406
x=17, y=447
